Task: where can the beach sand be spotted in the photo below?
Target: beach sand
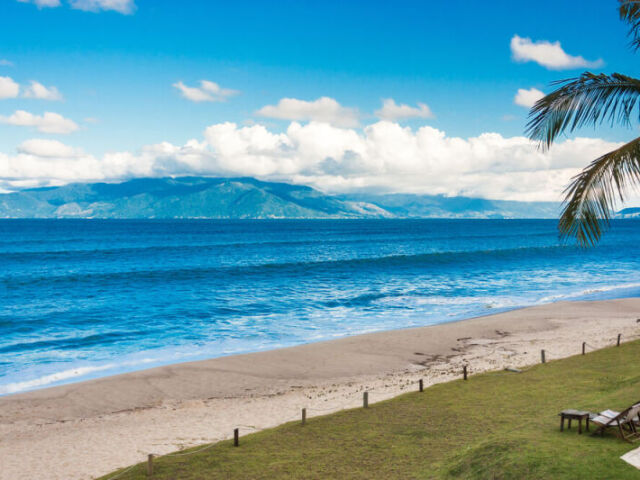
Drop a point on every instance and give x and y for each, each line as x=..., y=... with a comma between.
x=84, y=430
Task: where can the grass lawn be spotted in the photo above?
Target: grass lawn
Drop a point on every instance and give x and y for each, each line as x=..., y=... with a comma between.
x=493, y=426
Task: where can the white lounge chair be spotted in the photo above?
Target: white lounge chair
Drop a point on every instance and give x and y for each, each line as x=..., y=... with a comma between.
x=624, y=422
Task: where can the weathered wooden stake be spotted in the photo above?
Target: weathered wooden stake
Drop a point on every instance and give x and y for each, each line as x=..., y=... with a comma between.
x=542, y=356
x=365, y=399
x=421, y=385
x=464, y=372
x=236, y=437
x=619, y=335
x=150, y=465
x=304, y=416
x=584, y=344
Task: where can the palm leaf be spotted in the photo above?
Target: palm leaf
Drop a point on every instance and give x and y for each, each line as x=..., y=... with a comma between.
x=592, y=195
x=587, y=100
x=630, y=13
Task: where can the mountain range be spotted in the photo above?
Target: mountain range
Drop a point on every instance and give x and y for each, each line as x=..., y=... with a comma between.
x=204, y=197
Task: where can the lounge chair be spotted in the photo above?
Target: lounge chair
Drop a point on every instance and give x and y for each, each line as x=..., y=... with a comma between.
x=624, y=422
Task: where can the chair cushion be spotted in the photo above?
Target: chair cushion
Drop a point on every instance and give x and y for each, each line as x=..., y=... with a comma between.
x=602, y=420
x=610, y=413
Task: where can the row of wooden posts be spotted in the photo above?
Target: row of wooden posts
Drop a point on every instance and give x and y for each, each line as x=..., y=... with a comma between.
x=584, y=345
x=365, y=403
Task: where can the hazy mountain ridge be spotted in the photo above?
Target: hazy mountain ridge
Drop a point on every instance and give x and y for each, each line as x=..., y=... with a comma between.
x=633, y=212
x=203, y=197
x=439, y=206
x=186, y=197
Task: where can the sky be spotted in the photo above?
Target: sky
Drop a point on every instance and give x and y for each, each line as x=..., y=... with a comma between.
x=406, y=96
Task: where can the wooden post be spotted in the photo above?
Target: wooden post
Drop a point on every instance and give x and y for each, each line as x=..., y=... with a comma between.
x=584, y=344
x=304, y=416
x=619, y=335
x=236, y=437
x=365, y=400
x=421, y=385
x=542, y=356
x=150, y=465
x=464, y=372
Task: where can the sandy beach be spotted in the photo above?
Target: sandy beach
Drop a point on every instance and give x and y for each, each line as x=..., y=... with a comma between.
x=84, y=430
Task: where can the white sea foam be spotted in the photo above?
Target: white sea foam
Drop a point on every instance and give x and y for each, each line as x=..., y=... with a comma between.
x=72, y=373
x=589, y=291
x=52, y=378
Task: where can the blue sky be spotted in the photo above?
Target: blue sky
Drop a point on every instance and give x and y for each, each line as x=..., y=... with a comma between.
x=116, y=71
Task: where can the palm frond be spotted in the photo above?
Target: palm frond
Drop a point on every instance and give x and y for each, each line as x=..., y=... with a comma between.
x=592, y=195
x=630, y=13
x=587, y=100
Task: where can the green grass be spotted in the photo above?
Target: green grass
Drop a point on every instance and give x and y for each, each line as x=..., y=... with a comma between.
x=493, y=426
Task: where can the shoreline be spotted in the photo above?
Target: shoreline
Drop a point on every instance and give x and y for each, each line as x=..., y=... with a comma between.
x=631, y=290
x=89, y=428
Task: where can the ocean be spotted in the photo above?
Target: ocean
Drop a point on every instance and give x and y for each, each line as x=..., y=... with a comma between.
x=81, y=299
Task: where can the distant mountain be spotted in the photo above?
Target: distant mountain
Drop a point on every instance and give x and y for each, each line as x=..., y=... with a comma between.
x=202, y=197
x=439, y=206
x=628, y=213
x=186, y=197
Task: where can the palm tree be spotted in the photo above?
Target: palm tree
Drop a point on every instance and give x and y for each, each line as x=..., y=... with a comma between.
x=592, y=99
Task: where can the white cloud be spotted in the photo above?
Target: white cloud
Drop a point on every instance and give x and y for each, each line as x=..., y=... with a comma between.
x=39, y=91
x=43, y=3
x=548, y=54
x=49, y=122
x=8, y=88
x=392, y=111
x=41, y=147
x=11, y=89
x=5, y=63
x=383, y=156
x=323, y=109
x=207, y=92
x=125, y=7
x=527, y=98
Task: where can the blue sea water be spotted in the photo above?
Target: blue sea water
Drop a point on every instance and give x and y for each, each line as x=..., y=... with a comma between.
x=87, y=298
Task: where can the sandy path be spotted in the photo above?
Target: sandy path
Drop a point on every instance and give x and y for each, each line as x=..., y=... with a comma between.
x=87, y=429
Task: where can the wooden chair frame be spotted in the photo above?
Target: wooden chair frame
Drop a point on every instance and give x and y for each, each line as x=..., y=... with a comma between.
x=624, y=422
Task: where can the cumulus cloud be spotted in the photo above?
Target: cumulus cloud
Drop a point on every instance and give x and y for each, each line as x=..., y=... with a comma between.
x=8, y=88
x=11, y=89
x=207, y=92
x=548, y=54
x=324, y=109
x=392, y=111
x=46, y=148
x=49, y=122
x=39, y=91
x=125, y=7
x=43, y=164
x=388, y=157
x=383, y=156
x=527, y=98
